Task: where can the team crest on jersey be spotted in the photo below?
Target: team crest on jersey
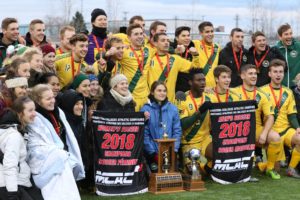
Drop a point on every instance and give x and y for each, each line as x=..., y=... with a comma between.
x=152, y=63
x=131, y=54
x=265, y=63
x=294, y=53
x=245, y=58
x=67, y=68
x=191, y=106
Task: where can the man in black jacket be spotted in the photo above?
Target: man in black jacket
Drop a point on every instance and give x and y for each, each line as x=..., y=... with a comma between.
x=181, y=45
x=260, y=55
x=234, y=55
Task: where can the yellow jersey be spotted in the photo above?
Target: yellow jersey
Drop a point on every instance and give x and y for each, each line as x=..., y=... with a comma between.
x=201, y=128
x=165, y=68
x=125, y=39
x=208, y=60
x=134, y=66
x=67, y=68
x=229, y=96
x=284, y=104
x=264, y=107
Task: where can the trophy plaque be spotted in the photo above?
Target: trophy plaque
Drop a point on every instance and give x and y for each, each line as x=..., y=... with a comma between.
x=166, y=180
x=193, y=181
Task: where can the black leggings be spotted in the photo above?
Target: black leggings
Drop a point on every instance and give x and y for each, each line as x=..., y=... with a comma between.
x=24, y=193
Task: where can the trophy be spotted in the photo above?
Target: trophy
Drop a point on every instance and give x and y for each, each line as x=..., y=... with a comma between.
x=165, y=134
x=192, y=181
x=166, y=180
x=166, y=164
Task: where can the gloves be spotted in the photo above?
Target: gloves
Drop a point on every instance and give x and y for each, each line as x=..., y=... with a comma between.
x=205, y=106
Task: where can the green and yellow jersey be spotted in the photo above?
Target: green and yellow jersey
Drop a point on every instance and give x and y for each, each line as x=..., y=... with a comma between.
x=134, y=67
x=67, y=68
x=208, y=60
x=165, y=68
x=228, y=96
x=284, y=104
x=264, y=107
x=201, y=128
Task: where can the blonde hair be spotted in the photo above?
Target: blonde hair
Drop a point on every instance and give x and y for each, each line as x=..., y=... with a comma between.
x=37, y=91
x=28, y=54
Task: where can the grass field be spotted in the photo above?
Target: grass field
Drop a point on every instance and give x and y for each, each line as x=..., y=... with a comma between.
x=265, y=189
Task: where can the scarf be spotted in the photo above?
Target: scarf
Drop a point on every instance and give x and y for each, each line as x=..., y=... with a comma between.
x=99, y=32
x=121, y=99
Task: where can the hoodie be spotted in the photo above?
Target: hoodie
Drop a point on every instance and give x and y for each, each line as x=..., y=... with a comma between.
x=3, y=48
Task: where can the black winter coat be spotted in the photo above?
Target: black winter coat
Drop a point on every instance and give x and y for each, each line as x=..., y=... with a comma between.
x=262, y=76
x=109, y=104
x=226, y=58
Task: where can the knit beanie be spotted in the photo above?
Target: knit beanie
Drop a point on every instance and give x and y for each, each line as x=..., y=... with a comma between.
x=92, y=77
x=47, y=48
x=96, y=12
x=78, y=79
x=117, y=79
x=16, y=82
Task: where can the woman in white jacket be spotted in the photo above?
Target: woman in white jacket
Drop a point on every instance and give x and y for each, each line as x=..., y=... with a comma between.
x=14, y=171
x=54, y=155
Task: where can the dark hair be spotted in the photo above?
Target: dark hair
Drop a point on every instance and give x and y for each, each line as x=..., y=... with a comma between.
x=220, y=69
x=18, y=108
x=180, y=29
x=154, y=26
x=7, y=21
x=78, y=37
x=246, y=67
x=235, y=30
x=256, y=34
x=193, y=71
x=154, y=85
x=202, y=25
x=131, y=27
x=283, y=28
x=136, y=17
x=111, y=40
x=157, y=35
x=12, y=68
x=276, y=63
x=45, y=78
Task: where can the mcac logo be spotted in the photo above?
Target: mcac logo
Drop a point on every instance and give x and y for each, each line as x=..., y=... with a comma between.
x=232, y=164
x=113, y=178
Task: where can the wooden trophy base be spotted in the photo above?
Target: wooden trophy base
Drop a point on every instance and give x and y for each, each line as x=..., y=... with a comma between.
x=190, y=184
x=161, y=183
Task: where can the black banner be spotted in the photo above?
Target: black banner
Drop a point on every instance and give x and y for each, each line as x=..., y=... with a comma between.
x=119, y=166
x=233, y=136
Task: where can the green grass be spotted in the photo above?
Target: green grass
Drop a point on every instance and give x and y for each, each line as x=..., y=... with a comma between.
x=265, y=189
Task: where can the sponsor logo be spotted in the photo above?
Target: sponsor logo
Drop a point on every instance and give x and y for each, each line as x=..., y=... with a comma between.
x=265, y=63
x=294, y=53
x=116, y=178
x=245, y=58
x=232, y=164
x=67, y=68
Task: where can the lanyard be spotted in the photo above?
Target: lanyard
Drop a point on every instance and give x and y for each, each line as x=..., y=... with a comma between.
x=217, y=94
x=245, y=93
x=98, y=47
x=194, y=102
x=161, y=64
x=60, y=51
x=205, y=51
x=55, y=124
x=258, y=63
x=73, y=66
x=274, y=96
x=237, y=62
x=140, y=62
x=186, y=53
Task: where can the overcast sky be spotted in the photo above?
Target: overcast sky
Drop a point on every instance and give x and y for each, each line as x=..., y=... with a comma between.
x=220, y=12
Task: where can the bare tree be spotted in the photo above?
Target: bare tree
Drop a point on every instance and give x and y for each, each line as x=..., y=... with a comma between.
x=255, y=8
x=67, y=10
x=53, y=24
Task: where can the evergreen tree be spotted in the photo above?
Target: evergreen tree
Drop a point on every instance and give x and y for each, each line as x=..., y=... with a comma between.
x=78, y=22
